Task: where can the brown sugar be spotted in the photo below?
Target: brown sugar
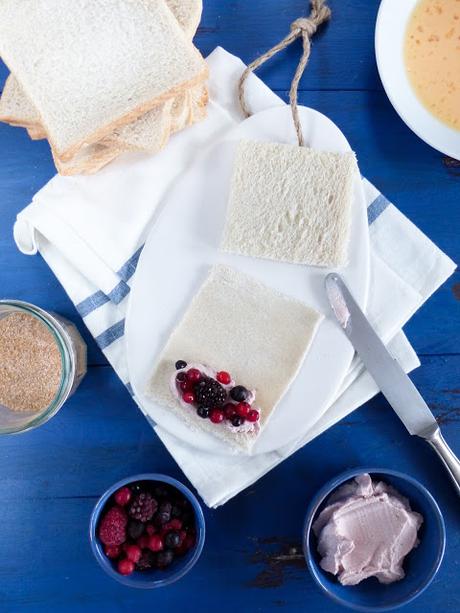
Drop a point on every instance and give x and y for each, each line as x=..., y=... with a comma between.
x=30, y=363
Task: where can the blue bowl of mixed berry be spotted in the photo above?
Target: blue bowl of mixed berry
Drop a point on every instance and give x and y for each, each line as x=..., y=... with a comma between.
x=147, y=531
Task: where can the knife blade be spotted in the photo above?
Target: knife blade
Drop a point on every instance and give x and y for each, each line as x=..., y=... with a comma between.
x=391, y=379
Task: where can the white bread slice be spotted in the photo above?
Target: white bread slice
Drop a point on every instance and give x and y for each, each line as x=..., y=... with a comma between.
x=17, y=109
x=15, y=106
x=290, y=203
x=187, y=13
x=89, y=160
x=36, y=132
x=117, y=61
x=150, y=132
x=237, y=324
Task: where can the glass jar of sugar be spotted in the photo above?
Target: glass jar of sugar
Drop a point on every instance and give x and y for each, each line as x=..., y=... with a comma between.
x=42, y=362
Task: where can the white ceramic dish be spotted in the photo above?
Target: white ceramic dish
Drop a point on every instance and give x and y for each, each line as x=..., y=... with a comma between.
x=184, y=243
x=390, y=34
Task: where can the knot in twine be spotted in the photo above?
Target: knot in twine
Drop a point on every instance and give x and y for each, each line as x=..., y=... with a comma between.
x=305, y=28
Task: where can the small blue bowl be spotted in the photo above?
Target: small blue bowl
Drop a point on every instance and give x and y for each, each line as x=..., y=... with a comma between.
x=154, y=578
x=421, y=564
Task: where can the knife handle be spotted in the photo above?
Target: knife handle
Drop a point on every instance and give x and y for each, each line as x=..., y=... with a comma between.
x=447, y=456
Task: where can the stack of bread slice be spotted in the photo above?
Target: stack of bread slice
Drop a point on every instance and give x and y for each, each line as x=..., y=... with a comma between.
x=101, y=78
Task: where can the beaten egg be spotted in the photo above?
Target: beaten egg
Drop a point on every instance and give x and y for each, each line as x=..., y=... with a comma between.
x=432, y=57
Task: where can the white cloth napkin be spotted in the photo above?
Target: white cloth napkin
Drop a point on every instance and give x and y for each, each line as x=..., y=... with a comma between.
x=90, y=230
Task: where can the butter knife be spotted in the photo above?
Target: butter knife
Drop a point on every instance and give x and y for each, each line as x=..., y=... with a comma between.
x=393, y=382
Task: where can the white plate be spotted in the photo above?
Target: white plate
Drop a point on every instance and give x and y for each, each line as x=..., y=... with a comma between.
x=184, y=243
x=390, y=34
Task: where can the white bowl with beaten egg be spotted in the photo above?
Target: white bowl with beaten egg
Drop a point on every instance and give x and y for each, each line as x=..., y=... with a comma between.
x=417, y=45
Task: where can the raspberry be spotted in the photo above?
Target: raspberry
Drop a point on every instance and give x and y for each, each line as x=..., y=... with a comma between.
x=123, y=496
x=125, y=566
x=143, y=507
x=112, y=529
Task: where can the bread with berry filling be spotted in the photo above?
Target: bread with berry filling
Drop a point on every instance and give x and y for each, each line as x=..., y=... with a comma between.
x=238, y=325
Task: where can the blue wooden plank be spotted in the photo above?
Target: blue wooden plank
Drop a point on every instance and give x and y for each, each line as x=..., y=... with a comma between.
x=53, y=476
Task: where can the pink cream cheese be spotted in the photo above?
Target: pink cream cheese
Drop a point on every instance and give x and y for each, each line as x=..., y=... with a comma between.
x=366, y=530
x=247, y=427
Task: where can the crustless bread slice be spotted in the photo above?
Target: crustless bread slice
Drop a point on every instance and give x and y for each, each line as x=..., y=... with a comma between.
x=239, y=325
x=290, y=203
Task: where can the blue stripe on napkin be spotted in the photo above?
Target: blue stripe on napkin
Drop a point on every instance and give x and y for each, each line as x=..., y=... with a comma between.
x=98, y=299
x=376, y=208
x=129, y=268
x=111, y=335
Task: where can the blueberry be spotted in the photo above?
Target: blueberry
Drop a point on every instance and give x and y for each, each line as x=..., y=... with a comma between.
x=239, y=393
x=164, y=558
x=181, y=376
x=180, y=364
x=237, y=421
x=135, y=529
x=163, y=514
x=203, y=412
x=172, y=539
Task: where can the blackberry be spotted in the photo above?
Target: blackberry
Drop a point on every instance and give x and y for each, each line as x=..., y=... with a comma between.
x=135, y=529
x=146, y=561
x=143, y=507
x=164, y=558
x=164, y=513
x=172, y=539
x=180, y=364
x=239, y=393
x=209, y=393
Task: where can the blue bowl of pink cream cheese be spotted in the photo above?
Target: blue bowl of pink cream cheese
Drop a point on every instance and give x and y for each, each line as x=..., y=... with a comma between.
x=374, y=539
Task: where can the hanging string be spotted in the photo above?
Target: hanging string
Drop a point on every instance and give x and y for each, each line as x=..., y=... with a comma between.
x=304, y=28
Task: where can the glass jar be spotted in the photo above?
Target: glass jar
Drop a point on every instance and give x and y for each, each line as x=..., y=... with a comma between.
x=72, y=351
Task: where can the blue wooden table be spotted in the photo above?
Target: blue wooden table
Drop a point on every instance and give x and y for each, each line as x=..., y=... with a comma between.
x=51, y=477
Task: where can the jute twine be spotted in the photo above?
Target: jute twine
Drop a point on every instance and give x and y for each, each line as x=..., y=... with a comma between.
x=304, y=28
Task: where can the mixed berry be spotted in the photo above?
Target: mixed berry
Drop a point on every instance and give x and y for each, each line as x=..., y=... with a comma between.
x=145, y=526
x=216, y=398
